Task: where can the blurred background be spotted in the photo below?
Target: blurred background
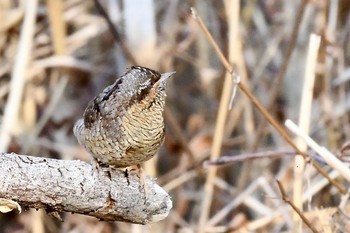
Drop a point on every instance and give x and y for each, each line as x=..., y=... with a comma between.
x=56, y=55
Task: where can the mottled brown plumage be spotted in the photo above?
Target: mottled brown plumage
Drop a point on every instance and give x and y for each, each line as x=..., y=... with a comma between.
x=123, y=125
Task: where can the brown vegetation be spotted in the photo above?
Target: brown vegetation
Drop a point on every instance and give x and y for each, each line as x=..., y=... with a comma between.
x=55, y=55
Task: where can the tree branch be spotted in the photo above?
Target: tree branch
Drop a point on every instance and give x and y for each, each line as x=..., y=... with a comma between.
x=73, y=186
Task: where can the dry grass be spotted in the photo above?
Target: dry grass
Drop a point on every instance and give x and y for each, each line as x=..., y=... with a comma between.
x=52, y=62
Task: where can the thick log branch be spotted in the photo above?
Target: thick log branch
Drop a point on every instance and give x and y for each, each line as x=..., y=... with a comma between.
x=74, y=186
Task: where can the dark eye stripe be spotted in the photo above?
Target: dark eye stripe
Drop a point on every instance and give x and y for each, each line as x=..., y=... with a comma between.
x=113, y=89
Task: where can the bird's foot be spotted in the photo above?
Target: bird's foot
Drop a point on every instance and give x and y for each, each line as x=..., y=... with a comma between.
x=95, y=168
x=142, y=176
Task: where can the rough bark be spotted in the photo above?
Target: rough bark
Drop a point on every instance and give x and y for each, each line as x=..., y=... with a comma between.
x=74, y=186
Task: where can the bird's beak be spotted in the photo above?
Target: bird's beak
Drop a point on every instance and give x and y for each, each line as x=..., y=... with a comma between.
x=164, y=78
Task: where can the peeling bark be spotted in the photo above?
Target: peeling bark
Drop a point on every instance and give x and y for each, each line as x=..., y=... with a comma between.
x=74, y=186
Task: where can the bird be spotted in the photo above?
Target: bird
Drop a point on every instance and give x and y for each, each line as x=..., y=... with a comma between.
x=123, y=126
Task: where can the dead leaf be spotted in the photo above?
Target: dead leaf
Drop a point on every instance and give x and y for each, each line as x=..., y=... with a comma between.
x=7, y=205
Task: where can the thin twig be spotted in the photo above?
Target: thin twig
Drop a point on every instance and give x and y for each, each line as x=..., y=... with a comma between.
x=282, y=71
x=219, y=131
x=288, y=139
x=330, y=159
x=236, y=57
x=304, y=123
x=263, y=110
x=115, y=33
x=211, y=40
x=229, y=160
x=286, y=199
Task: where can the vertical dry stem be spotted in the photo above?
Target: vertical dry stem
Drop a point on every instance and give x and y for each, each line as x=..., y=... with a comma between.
x=58, y=35
x=18, y=75
x=304, y=124
x=217, y=141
